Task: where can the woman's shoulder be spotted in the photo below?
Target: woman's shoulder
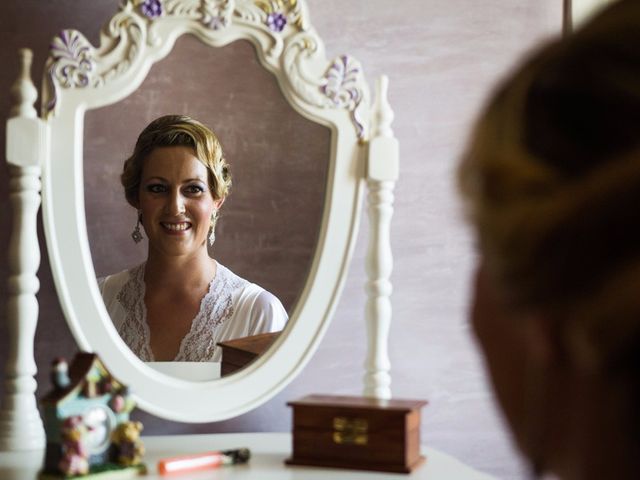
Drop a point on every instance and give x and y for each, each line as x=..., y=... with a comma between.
x=265, y=300
x=112, y=284
x=267, y=313
x=225, y=275
x=254, y=301
x=243, y=290
x=114, y=277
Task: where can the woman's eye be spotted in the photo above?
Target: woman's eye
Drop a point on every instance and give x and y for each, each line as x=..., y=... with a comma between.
x=156, y=188
x=194, y=189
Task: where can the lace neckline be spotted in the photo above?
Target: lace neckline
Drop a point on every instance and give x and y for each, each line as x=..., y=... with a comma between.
x=199, y=344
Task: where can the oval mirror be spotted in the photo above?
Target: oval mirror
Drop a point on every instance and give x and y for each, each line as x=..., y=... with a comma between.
x=82, y=77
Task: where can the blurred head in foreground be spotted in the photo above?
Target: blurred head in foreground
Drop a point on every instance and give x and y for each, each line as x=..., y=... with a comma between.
x=551, y=182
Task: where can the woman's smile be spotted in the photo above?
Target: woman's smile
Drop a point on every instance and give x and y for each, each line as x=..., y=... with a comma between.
x=176, y=227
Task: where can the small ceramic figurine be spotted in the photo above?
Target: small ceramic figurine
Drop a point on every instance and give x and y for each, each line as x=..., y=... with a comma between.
x=75, y=457
x=129, y=447
x=86, y=418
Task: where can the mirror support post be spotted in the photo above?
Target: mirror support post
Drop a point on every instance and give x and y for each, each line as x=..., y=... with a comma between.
x=381, y=176
x=21, y=427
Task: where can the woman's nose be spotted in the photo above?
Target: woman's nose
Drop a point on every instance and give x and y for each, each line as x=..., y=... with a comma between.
x=176, y=203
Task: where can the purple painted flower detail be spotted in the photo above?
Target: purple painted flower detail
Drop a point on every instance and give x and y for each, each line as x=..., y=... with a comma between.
x=340, y=81
x=72, y=64
x=151, y=8
x=70, y=46
x=276, y=21
x=217, y=22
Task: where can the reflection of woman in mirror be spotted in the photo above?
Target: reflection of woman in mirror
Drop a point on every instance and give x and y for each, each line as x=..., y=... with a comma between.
x=181, y=302
x=552, y=181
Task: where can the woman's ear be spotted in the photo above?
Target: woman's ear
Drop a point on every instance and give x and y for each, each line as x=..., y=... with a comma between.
x=218, y=203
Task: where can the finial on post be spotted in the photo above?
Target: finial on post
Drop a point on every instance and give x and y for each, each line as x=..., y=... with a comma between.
x=23, y=90
x=382, y=112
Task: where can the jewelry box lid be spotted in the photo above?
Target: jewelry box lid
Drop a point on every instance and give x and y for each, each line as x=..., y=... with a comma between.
x=362, y=403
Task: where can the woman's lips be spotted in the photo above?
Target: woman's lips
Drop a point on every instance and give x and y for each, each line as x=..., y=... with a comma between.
x=176, y=227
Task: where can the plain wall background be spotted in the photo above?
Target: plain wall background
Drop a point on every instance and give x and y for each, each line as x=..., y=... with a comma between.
x=442, y=57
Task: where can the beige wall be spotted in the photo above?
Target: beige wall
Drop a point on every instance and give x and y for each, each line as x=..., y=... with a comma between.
x=442, y=57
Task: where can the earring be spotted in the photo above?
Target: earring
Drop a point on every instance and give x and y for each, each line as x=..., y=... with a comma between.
x=212, y=233
x=136, y=234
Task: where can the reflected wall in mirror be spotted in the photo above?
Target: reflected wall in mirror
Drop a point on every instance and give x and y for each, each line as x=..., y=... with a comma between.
x=269, y=224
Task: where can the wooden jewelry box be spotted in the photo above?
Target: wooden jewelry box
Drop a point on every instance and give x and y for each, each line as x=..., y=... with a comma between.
x=357, y=433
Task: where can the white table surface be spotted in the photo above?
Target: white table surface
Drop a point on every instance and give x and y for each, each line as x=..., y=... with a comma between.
x=268, y=453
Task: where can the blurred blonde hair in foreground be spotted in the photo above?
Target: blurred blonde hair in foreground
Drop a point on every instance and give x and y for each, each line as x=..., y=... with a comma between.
x=551, y=183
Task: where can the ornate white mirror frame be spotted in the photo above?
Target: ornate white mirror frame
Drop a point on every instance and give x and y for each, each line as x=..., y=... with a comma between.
x=80, y=77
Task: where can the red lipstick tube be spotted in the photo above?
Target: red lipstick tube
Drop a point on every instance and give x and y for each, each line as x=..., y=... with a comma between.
x=202, y=461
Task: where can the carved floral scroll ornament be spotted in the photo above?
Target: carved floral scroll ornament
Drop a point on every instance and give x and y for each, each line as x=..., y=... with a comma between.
x=75, y=63
x=342, y=86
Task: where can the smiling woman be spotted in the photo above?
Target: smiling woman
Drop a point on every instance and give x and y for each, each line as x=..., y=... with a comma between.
x=180, y=303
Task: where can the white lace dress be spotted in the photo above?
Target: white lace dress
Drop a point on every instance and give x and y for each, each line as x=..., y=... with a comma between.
x=232, y=308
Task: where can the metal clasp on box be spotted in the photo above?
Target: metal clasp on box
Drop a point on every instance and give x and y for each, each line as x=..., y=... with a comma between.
x=350, y=431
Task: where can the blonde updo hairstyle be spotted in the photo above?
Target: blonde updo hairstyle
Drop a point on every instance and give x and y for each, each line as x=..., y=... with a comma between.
x=551, y=182
x=177, y=130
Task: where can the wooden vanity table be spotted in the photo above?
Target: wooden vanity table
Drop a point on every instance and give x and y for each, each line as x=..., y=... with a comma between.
x=268, y=453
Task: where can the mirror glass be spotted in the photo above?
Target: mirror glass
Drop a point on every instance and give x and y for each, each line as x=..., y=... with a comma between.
x=269, y=225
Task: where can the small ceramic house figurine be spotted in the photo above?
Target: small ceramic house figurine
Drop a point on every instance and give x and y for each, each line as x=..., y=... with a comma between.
x=86, y=418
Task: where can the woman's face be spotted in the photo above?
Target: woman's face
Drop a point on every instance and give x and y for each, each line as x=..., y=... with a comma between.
x=176, y=201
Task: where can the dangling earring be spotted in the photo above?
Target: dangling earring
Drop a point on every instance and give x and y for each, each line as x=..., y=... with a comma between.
x=136, y=234
x=212, y=233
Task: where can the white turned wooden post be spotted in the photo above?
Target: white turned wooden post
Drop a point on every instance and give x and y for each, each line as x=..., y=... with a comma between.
x=382, y=173
x=20, y=423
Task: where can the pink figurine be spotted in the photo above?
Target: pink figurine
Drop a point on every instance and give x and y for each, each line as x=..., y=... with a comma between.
x=74, y=453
